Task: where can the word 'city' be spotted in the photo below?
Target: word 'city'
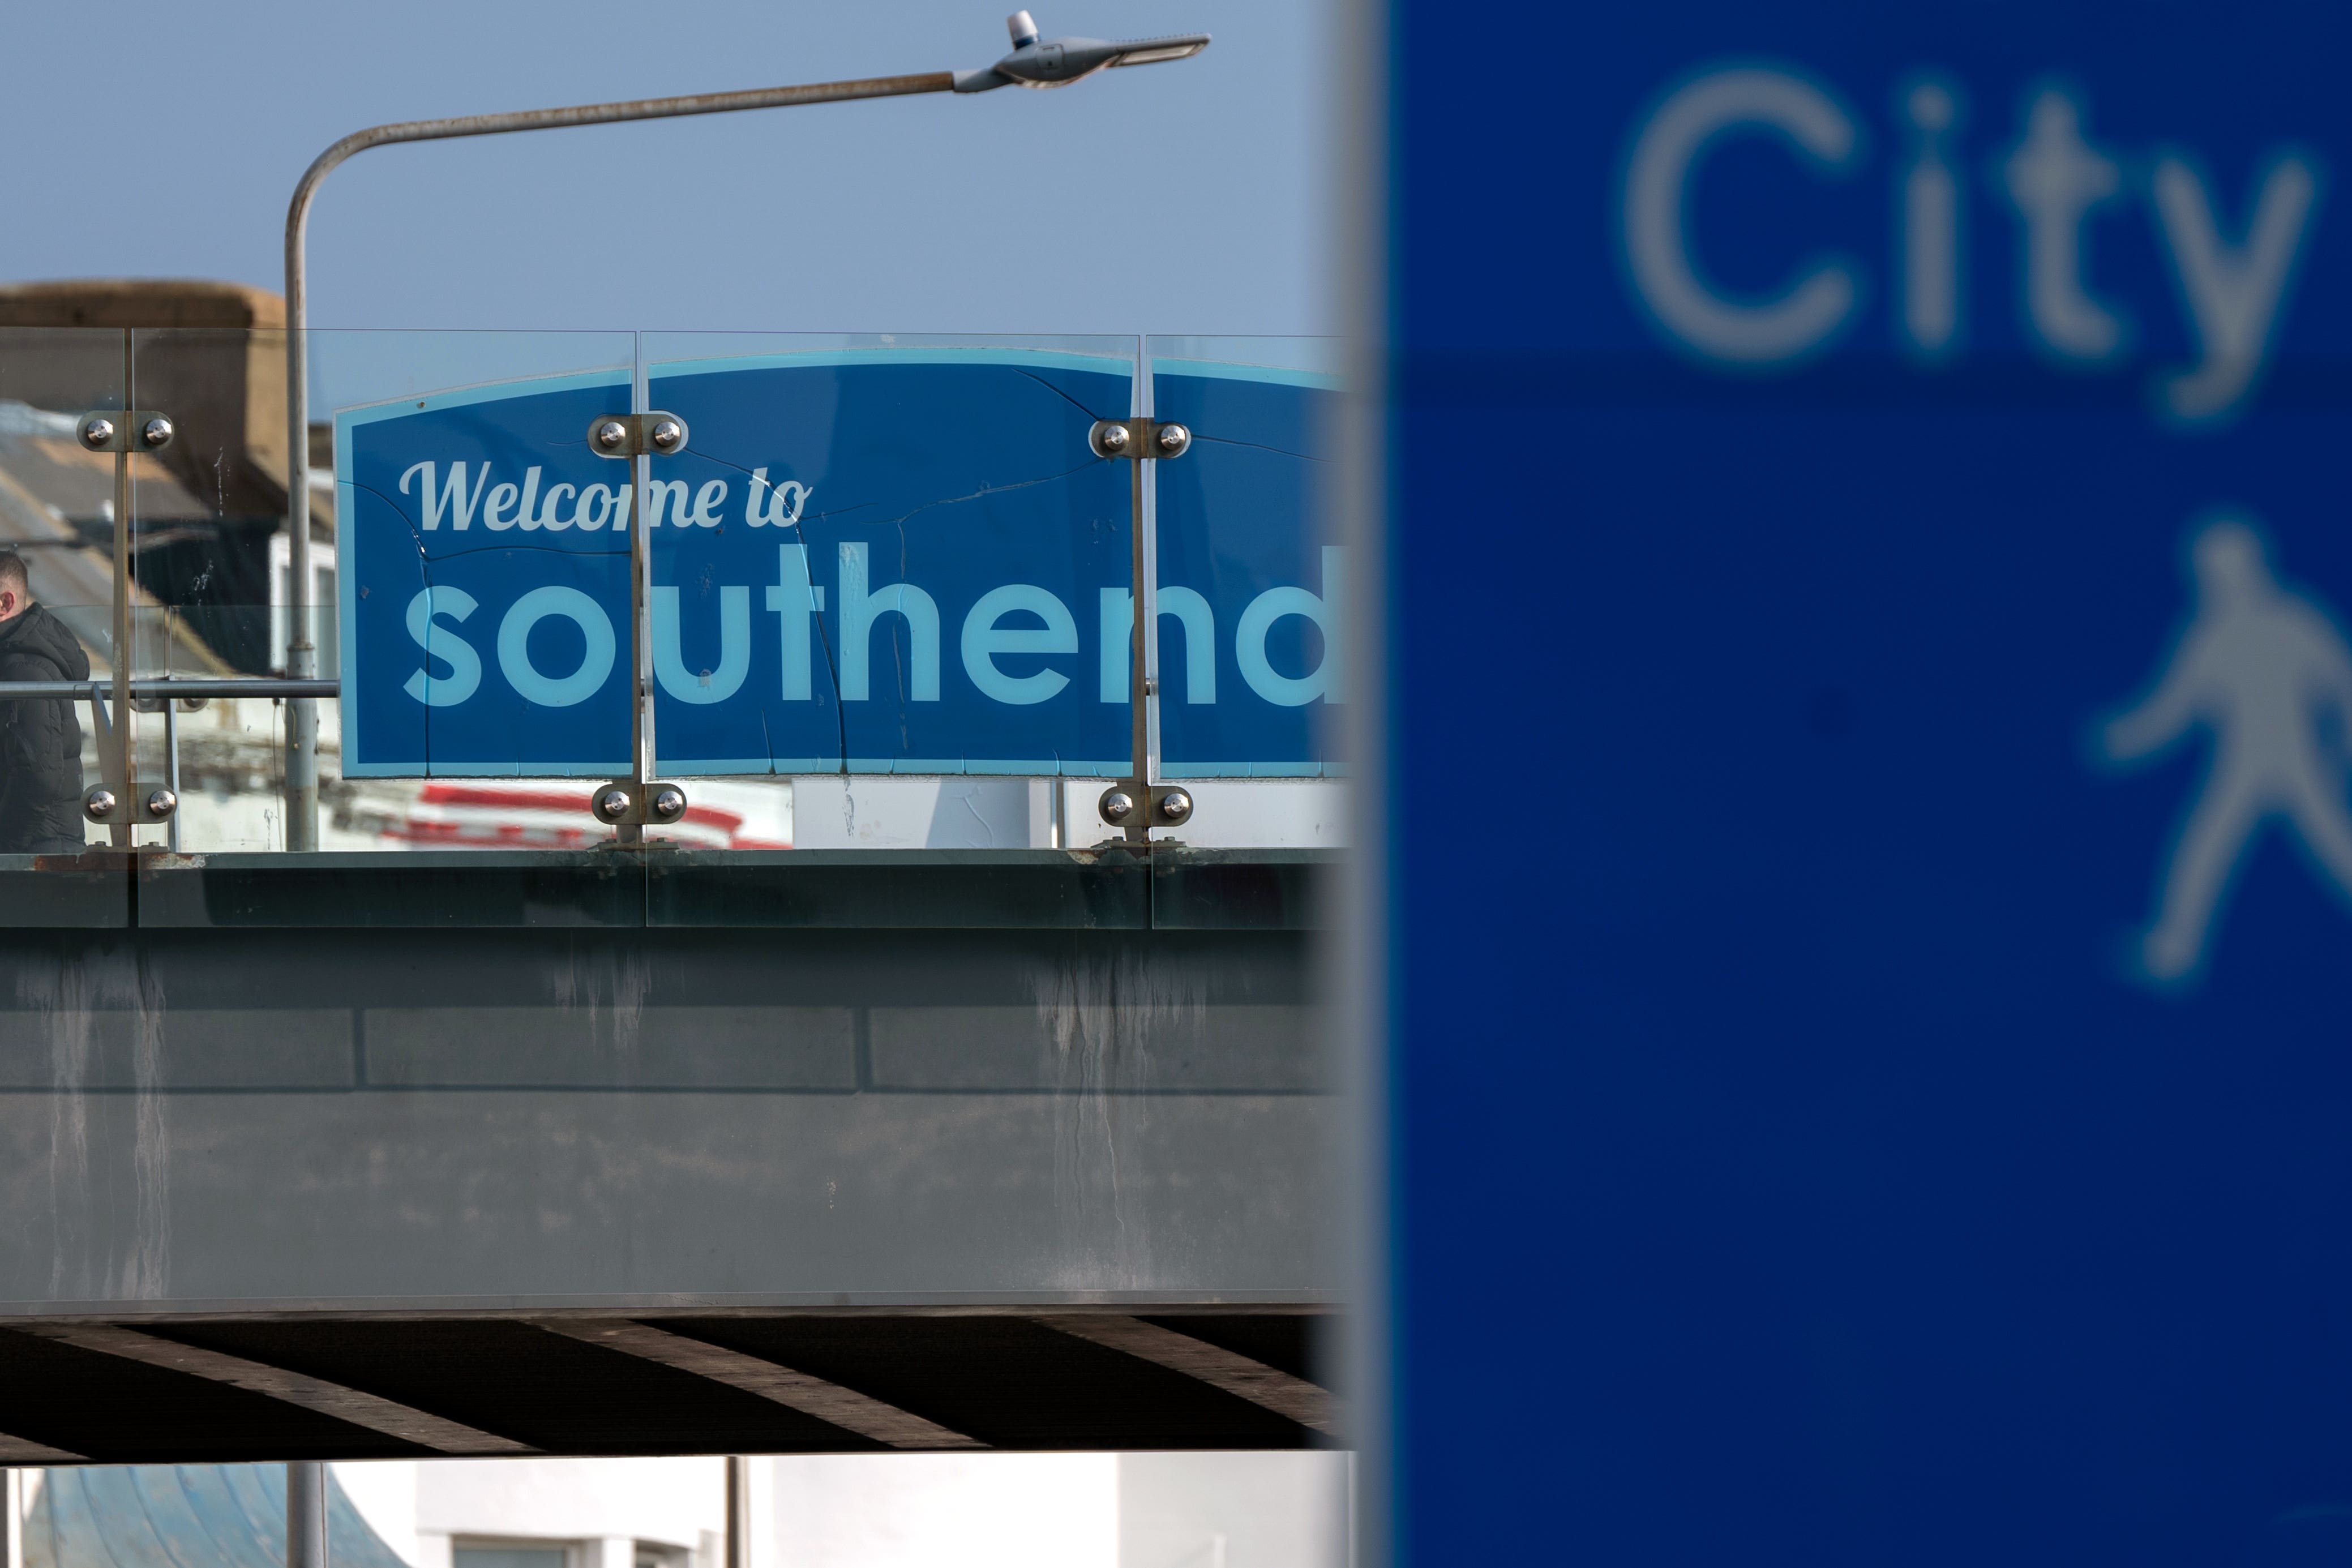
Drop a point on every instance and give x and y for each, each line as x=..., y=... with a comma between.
x=2230, y=278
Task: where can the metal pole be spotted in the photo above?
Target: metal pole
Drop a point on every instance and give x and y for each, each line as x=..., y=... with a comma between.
x=117, y=765
x=737, y=1513
x=641, y=640
x=301, y=654
x=12, y=1503
x=1147, y=580
x=172, y=771
x=224, y=686
x=306, y=1515
x=1139, y=681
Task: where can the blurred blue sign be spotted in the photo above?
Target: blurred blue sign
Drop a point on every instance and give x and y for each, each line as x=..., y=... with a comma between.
x=1876, y=484
x=869, y=560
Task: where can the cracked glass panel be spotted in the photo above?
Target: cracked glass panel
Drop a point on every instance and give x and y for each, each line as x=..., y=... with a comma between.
x=209, y=512
x=482, y=552
x=888, y=554
x=1250, y=591
x=222, y=755
x=445, y=481
x=57, y=505
x=1250, y=587
x=208, y=555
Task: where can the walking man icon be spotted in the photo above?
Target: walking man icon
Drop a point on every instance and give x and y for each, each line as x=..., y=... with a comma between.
x=2268, y=673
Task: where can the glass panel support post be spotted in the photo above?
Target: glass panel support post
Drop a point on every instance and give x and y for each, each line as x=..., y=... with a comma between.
x=1141, y=802
x=628, y=805
x=120, y=803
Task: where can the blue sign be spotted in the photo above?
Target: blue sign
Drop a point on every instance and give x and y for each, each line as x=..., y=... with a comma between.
x=869, y=560
x=1868, y=487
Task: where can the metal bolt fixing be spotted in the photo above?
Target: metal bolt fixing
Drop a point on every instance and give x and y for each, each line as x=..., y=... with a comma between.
x=1110, y=437
x=1116, y=805
x=96, y=433
x=611, y=434
x=156, y=432
x=162, y=803
x=612, y=804
x=98, y=804
x=666, y=435
x=1174, y=439
x=1176, y=806
x=670, y=801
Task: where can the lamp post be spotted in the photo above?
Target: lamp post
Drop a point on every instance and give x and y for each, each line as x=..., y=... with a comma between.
x=1035, y=62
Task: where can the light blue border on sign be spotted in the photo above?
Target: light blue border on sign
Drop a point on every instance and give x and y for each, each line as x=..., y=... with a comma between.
x=721, y=767
x=1245, y=770
x=944, y=767
x=347, y=578
x=1211, y=369
x=830, y=767
x=617, y=768
x=821, y=358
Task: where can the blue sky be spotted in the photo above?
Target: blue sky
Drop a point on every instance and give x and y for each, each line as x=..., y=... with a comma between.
x=1186, y=197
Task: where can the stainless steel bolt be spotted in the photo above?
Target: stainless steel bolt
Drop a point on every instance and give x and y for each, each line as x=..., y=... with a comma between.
x=669, y=803
x=1112, y=437
x=162, y=803
x=1174, y=439
x=96, y=433
x=668, y=434
x=156, y=432
x=612, y=804
x=1117, y=805
x=98, y=804
x=611, y=434
x=1176, y=806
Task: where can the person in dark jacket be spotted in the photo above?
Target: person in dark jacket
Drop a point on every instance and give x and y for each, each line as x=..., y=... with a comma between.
x=40, y=738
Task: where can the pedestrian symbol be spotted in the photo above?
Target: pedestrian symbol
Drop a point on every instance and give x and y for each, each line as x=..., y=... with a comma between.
x=2267, y=671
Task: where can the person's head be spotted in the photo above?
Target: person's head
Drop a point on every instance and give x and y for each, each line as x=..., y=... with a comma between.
x=2231, y=564
x=16, y=587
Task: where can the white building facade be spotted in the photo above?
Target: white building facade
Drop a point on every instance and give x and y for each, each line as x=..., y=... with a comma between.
x=885, y=1510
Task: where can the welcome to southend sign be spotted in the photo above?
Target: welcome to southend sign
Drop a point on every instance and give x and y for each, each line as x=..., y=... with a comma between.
x=871, y=561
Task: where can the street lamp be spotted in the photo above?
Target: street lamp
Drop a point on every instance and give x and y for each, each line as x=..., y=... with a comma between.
x=1034, y=62
x=1057, y=62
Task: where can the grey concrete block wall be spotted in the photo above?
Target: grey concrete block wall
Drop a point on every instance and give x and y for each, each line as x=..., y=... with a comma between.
x=335, y=1119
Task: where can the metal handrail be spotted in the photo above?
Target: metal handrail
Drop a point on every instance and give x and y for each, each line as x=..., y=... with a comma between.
x=207, y=686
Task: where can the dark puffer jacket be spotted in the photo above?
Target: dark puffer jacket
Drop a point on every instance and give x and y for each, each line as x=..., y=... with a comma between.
x=40, y=739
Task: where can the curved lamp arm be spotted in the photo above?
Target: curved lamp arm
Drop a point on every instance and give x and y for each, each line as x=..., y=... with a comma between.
x=302, y=652
x=1032, y=63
